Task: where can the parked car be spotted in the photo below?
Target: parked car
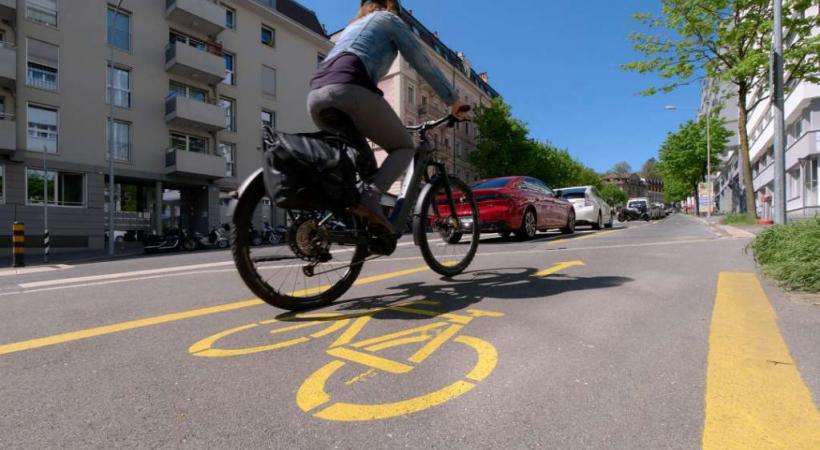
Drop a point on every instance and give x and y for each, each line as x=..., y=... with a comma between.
x=660, y=210
x=521, y=205
x=590, y=207
x=643, y=206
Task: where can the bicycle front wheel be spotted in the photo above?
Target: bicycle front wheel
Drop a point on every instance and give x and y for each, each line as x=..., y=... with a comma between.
x=448, y=237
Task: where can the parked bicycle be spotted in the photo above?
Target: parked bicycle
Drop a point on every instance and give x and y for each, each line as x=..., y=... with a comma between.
x=326, y=250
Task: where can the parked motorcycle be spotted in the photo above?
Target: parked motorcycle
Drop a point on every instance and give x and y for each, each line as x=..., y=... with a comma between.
x=173, y=240
x=630, y=214
x=217, y=238
x=274, y=236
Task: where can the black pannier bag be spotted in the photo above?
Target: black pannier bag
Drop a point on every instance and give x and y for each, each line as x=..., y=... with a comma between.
x=311, y=171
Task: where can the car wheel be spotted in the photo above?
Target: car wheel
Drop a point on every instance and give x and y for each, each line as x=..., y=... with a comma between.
x=570, y=227
x=529, y=226
x=599, y=223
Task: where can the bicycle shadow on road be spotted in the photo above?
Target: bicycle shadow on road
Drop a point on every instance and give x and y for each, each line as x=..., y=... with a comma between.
x=471, y=288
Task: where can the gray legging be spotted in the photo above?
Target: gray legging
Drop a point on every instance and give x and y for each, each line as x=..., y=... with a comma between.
x=374, y=118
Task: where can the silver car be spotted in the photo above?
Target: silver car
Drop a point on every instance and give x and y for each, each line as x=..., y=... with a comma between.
x=590, y=207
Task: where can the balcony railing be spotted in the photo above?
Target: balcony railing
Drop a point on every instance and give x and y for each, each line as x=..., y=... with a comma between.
x=8, y=45
x=206, y=16
x=7, y=116
x=213, y=48
x=41, y=79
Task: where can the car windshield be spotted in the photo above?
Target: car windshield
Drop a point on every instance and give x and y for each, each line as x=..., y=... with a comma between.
x=492, y=184
x=637, y=204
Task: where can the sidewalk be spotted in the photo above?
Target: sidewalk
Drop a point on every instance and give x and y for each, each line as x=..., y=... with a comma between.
x=734, y=231
x=34, y=259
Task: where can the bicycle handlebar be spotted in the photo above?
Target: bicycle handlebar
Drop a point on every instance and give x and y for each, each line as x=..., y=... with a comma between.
x=450, y=119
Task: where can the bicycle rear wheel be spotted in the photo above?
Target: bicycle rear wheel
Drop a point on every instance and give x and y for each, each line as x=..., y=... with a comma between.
x=308, y=271
x=448, y=238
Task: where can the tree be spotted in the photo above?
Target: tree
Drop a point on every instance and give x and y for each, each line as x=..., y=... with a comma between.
x=650, y=169
x=683, y=156
x=613, y=195
x=727, y=41
x=503, y=147
x=622, y=169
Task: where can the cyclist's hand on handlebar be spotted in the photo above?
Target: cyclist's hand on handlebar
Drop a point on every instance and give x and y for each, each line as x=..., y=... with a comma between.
x=461, y=110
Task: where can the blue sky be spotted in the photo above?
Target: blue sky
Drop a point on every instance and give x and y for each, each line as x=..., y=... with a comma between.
x=557, y=63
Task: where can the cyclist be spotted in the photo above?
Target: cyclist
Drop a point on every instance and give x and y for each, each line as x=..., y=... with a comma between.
x=347, y=81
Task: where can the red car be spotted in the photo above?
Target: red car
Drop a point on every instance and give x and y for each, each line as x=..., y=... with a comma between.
x=521, y=205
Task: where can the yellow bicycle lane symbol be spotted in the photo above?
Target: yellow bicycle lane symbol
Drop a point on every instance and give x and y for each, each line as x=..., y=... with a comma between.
x=312, y=396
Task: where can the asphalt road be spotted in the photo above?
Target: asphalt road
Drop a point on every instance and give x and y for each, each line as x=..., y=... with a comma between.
x=612, y=339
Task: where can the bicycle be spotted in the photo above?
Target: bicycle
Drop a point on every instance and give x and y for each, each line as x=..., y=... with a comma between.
x=324, y=253
x=360, y=356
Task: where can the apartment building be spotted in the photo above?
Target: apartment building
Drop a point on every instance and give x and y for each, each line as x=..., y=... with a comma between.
x=415, y=101
x=191, y=83
x=637, y=187
x=727, y=177
x=802, y=112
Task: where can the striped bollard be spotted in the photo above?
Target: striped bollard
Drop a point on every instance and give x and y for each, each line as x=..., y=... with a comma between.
x=46, y=246
x=18, y=244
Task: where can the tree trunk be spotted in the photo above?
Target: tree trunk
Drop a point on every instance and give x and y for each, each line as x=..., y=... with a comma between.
x=697, y=201
x=745, y=162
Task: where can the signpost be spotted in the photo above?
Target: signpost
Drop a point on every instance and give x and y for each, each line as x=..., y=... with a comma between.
x=705, y=197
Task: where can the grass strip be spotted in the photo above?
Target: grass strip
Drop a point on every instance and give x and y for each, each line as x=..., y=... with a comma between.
x=790, y=254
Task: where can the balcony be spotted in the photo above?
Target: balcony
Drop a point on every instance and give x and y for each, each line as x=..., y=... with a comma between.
x=187, y=61
x=8, y=64
x=199, y=165
x=191, y=113
x=201, y=15
x=8, y=133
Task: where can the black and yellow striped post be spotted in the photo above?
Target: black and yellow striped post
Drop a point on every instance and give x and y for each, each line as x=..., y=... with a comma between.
x=18, y=244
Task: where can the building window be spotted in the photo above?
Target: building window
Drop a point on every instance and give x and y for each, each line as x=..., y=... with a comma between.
x=269, y=80
x=61, y=188
x=268, y=36
x=812, y=197
x=230, y=69
x=43, y=63
x=120, y=135
x=182, y=90
x=229, y=105
x=119, y=87
x=42, y=11
x=269, y=119
x=793, y=184
x=230, y=18
x=320, y=58
x=189, y=143
x=228, y=151
x=42, y=129
x=411, y=94
x=119, y=29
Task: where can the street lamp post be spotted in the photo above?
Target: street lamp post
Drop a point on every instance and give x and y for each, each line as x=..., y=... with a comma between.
x=111, y=184
x=778, y=100
x=708, y=149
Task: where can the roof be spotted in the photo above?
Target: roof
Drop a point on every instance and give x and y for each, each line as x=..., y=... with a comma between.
x=296, y=12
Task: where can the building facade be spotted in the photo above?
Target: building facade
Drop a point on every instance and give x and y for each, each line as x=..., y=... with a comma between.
x=727, y=177
x=190, y=83
x=415, y=101
x=636, y=187
x=802, y=113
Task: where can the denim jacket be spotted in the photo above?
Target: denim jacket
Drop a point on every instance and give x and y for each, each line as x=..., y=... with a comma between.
x=378, y=38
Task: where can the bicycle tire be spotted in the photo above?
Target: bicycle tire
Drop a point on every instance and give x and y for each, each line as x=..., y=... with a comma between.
x=421, y=221
x=240, y=249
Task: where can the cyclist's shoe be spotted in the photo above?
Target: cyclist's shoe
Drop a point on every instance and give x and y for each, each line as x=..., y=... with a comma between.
x=370, y=208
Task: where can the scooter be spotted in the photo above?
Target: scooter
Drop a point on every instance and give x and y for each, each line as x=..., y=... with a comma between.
x=217, y=238
x=173, y=240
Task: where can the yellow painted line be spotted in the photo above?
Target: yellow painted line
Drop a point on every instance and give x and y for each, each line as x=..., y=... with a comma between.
x=755, y=397
x=431, y=347
x=63, y=338
x=558, y=267
x=373, y=361
x=399, y=334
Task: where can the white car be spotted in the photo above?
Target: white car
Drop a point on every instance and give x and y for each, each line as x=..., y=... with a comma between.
x=590, y=207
